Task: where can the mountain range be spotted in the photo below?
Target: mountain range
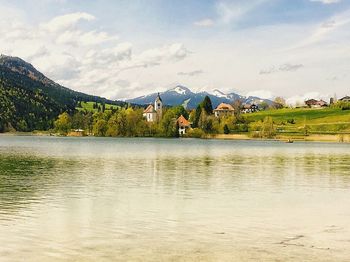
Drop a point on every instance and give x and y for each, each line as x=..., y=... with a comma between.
x=181, y=95
x=31, y=101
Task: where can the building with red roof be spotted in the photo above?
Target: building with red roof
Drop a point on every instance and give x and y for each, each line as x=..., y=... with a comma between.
x=183, y=125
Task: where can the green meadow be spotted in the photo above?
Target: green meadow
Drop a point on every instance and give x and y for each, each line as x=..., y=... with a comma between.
x=294, y=120
x=89, y=106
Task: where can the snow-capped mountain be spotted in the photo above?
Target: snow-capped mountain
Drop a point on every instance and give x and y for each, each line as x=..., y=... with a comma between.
x=181, y=95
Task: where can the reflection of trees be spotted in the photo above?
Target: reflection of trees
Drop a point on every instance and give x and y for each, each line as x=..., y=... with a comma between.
x=25, y=179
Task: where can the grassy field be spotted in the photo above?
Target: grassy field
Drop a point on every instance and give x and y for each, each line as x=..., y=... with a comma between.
x=327, y=120
x=89, y=106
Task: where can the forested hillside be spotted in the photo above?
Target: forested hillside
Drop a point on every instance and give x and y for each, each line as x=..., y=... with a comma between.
x=29, y=100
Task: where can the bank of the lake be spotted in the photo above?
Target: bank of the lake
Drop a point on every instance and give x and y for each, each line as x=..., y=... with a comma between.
x=331, y=138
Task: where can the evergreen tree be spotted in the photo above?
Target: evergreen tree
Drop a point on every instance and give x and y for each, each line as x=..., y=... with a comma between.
x=226, y=129
x=197, y=116
x=207, y=105
x=177, y=134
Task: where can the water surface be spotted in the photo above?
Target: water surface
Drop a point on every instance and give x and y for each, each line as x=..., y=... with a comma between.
x=104, y=199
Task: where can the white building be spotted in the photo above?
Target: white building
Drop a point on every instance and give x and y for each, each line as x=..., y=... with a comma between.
x=183, y=125
x=224, y=110
x=154, y=113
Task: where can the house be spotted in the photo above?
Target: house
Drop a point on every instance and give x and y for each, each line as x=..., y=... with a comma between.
x=313, y=103
x=224, y=110
x=183, y=125
x=154, y=113
x=76, y=132
x=249, y=108
x=345, y=99
x=150, y=114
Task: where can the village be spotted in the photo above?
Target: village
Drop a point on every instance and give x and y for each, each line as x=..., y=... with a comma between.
x=154, y=113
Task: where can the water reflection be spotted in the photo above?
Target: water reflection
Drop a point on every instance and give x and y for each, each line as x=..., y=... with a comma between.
x=172, y=199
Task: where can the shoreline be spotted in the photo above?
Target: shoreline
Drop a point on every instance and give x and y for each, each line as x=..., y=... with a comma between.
x=336, y=138
x=341, y=139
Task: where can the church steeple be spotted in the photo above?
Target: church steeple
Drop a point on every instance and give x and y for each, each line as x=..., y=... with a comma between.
x=158, y=106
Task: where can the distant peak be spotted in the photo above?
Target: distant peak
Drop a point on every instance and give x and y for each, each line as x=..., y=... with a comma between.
x=11, y=58
x=180, y=89
x=20, y=66
x=218, y=93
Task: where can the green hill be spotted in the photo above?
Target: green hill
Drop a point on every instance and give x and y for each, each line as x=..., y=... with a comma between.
x=31, y=101
x=293, y=120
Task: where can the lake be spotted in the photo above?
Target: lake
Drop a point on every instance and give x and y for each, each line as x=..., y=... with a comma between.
x=105, y=199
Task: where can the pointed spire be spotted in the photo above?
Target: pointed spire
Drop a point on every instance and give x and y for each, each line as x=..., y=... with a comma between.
x=158, y=97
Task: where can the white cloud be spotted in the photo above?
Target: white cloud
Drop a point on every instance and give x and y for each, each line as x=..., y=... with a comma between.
x=66, y=22
x=204, y=23
x=327, y=1
x=75, y=51
x=91, y=61
x=172, y=53
x=191, y=73
x=264, y=94
x=325, y=29
x=230, y=11
x=299, y=100
x=282, y=68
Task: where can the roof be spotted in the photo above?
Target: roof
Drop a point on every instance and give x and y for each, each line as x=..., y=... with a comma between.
x=311, y=101
x=224, y=107
x=183, y=121
x=345, y=98
x=315, y=102
x=149, y=109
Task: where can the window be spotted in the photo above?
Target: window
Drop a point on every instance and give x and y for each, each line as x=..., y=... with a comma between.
x=158, y=104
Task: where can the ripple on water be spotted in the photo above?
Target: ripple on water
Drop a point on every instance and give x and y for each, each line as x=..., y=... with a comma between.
x=157, y=199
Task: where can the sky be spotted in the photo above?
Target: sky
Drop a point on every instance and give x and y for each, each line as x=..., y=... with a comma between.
x=121, y=49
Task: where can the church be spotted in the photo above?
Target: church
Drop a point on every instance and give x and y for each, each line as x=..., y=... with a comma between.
x=153, y=113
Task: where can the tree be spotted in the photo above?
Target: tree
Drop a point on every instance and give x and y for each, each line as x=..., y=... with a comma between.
x=63, y=123
x=112, y=126
x=197, y=116
x=207, y=105
x=264, y=105
x=168, y=124
x=122, y=123
x=226, y=129
x=100, y=127
x=22, y=126
x=205, y=122
x=180, y=110
x=177, y=127
x=268, y=128
x=237, y=105
x=280, y=101
x=78, y=121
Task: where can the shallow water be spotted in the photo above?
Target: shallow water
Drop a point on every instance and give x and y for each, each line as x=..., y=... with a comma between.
x=104, y=199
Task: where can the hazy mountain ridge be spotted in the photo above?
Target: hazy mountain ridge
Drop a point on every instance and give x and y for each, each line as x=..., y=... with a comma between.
x=180, y=95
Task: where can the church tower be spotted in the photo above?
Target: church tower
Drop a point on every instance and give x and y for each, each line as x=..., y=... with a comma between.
x=158, y=107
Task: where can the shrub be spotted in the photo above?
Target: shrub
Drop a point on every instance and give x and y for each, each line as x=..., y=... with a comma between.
x=196, y=133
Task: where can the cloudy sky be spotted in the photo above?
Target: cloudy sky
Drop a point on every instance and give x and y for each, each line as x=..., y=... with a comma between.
x=126, y=48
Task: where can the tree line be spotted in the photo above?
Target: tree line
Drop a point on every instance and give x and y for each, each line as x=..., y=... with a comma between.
x=129, y=122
